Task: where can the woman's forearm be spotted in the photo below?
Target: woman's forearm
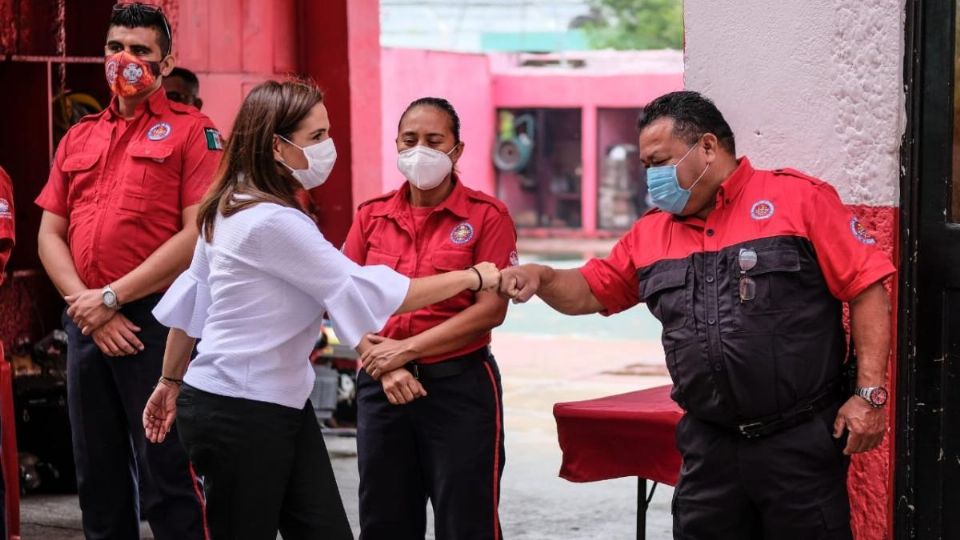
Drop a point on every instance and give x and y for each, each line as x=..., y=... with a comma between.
x=176, y=357
x=432, y=289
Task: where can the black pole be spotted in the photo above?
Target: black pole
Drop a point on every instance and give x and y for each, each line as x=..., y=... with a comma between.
x=641, y=508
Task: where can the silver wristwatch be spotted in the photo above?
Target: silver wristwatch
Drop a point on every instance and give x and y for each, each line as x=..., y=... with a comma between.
x=876, y=396
x=109, y=298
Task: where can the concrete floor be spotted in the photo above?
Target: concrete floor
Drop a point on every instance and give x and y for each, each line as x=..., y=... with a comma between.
x=544, y=358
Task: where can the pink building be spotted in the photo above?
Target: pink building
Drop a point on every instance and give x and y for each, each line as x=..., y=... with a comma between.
x=562, y=127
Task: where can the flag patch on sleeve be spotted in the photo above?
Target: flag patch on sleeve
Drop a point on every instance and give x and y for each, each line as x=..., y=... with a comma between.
x=214, y=141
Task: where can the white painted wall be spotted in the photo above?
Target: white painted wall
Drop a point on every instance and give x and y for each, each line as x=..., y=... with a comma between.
x=816, y=85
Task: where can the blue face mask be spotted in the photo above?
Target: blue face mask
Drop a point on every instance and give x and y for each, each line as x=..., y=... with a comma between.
x=664, y=187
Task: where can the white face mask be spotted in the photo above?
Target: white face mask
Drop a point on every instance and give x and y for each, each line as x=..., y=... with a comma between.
x=425, y=167
x=320, y=160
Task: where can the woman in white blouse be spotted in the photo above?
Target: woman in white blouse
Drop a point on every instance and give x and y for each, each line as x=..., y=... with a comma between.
x=261, y=278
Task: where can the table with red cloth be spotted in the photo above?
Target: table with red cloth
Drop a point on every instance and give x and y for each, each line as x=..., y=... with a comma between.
x=629, y=434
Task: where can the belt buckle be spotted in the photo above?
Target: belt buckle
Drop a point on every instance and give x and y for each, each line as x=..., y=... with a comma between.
x=751, y=430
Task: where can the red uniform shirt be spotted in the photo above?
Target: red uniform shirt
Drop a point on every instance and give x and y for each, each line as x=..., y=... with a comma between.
x=123, y=184
x=7, y=233
x=752, y=204
x=467, y=228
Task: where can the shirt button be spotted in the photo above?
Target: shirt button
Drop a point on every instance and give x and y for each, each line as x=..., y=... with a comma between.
x=709, y=279
x=709, y=232
x=711, y=322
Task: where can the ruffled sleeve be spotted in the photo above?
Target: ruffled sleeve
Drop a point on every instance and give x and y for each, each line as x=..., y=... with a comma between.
x=186, y=302
x=366, y=301
x=359, y=299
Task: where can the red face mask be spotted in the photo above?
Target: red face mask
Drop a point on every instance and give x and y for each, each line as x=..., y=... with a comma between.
x=128, y=75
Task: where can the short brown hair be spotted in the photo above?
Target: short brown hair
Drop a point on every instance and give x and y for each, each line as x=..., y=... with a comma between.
x=248, y=167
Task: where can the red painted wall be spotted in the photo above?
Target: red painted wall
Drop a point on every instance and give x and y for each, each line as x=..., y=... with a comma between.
x=464, y=80
x=477, y=90
x=870, y=481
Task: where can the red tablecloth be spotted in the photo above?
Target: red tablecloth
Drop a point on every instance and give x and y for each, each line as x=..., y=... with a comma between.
x=624, y=435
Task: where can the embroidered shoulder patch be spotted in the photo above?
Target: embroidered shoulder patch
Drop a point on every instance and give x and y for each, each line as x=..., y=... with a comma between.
x=861, y=233
x=762, y=210
x=5, y=212
x=214, y=141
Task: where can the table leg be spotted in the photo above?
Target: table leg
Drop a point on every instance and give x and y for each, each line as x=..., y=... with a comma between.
x=641, y=508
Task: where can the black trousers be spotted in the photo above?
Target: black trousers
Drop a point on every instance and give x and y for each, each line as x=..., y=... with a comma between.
x=118, y=473
x=264, y=468
x=788, y=486
x=446, y=447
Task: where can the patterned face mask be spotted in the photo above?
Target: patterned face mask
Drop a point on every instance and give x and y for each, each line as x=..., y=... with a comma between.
x=128, y=75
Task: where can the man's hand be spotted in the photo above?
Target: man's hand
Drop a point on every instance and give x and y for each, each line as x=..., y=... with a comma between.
x=386, y=355
x=519, y=283
x=118, y=337
x=866, y=424
x=88, y=311
x=401, y=387
x=160, y=411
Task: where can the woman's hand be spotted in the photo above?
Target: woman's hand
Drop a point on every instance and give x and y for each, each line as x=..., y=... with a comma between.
x=386, y=355
x=160, y=411
x=489, y=276
x=401, y=387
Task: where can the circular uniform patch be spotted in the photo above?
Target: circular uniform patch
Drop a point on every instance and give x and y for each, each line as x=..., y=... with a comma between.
x=5, y=209
x=159, y=131
x=111, y=71
x=462, y=233
x=762, y=210
x=861, y=233
x=132, y=73
x=514, y=259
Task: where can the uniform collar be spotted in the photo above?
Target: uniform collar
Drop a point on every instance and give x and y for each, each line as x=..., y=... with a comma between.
x=456, y=202
x=156, y=104
x=731, y=187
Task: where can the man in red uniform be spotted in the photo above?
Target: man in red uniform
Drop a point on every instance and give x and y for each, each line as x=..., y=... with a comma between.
x=119, y=224
x=7, y=233
x=747, y=271
x=8, y=238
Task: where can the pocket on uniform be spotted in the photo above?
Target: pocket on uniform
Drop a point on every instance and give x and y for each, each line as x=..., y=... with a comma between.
x=377, y=257
x=777, y=271
x=665, y=293
x=446, y=260
x=145, y=172
x=78, y=168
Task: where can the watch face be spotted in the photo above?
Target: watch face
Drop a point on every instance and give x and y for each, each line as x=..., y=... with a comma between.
x=109, y=298
x=879, y=396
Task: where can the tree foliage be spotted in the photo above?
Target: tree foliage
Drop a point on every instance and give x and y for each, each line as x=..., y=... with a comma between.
x=635, y=24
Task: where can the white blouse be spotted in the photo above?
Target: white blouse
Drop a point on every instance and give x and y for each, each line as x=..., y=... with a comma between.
x=255, y=297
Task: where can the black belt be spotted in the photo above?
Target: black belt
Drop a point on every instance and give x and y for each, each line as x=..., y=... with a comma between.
x=447, y=368
x=776, y=423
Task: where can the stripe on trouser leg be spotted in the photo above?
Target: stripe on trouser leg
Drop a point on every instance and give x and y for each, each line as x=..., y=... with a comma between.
x=496, y=454
x=202, y=499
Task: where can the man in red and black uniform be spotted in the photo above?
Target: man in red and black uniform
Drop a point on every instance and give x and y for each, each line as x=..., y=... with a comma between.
x=747, y=271
x=119, y=224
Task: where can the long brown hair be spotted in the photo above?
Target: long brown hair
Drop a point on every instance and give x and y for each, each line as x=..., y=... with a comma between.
x=248, y=167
